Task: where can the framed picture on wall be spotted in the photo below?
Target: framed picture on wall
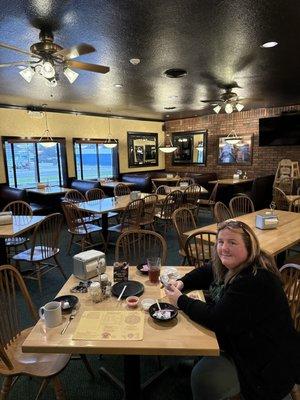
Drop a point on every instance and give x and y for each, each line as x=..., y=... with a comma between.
x=235, y=151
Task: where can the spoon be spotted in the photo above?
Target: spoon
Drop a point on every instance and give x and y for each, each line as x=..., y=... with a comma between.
x=71, y=317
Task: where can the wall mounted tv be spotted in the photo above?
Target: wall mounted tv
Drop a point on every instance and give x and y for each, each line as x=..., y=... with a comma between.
x=280, y=131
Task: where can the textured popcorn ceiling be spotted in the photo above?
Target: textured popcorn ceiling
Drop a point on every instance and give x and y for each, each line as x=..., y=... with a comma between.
x=216, y=41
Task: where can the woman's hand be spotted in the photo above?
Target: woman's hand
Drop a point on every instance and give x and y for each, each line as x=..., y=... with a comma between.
x=173, y=293
x=177, y=284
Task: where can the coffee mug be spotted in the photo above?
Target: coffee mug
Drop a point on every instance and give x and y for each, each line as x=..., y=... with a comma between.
x=51, y=314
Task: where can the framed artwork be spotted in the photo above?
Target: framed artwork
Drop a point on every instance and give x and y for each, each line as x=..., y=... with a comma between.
x=239, y=153
x=191, y=147
x=142, y=149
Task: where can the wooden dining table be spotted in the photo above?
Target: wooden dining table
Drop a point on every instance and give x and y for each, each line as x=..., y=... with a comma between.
x=109, y=204
x=49, y=190
x=273, y=241
x=231, y=181
x=20, y=224
x=179, y=336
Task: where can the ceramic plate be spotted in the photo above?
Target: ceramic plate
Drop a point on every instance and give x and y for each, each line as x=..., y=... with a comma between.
x=67, y=302
x=168, y=312
x=133, y=288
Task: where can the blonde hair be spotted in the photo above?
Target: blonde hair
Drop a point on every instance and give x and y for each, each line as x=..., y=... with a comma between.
x=256, y=256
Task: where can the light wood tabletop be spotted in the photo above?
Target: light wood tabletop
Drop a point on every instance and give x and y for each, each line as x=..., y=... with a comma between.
x=274, y=241
x=49, y=190
x=231, y=181
x=292, y=197
x=180, y=336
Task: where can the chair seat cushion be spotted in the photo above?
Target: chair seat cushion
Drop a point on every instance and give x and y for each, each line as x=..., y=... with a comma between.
x=38, y=255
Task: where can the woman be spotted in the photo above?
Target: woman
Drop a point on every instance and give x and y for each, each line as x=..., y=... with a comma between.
x=249, y=312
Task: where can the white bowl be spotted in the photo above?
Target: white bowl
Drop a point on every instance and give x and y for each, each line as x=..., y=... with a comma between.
x=147, y=303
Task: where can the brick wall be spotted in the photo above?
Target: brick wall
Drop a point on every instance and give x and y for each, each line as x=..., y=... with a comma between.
x=264, y=159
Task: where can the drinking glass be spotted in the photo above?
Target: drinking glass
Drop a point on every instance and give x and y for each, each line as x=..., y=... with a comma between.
x=154, y=264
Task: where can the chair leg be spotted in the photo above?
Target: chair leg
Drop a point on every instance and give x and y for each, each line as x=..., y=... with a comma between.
x=58, y=389
x=70, y=244
x=6, y=385
x=87, y=365
x=43, y=386
x=60, y=267
x=38, y=275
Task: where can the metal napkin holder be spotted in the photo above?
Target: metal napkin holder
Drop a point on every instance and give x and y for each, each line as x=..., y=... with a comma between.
x=88, y=264
x=269, y=220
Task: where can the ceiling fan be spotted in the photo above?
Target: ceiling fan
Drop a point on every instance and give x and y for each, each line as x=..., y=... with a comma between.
x=48, y=57
x=229, y=99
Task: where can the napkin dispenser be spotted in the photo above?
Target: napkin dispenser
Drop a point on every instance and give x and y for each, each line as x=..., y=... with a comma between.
x=236, y=176
x=41, y=185
x=266, y=221
x=6, y=218
x=86, y=263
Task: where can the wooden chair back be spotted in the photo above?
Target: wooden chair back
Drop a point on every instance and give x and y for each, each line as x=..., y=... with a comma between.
x=95, y=194
x=240, y=205
x=74, y=216
x=221, y=212
x=199, y=247
x=162, y=189
x=213, y=195
x=172, y=201
x=11, y=286
x=280, y=199
x=191, y=195
x=295, y=205
x=121, y=189
x=135, y=246
x=74, y=196
x=18, y=207
x=183, y=221
x=132, y=215
x=150, y=203
x=46, y=235
x=290, y=274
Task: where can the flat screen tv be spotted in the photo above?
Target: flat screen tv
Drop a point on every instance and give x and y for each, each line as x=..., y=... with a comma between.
x=280, y=131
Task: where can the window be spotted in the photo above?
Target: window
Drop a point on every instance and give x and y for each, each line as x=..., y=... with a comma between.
x=95, y=161
x=29, y=161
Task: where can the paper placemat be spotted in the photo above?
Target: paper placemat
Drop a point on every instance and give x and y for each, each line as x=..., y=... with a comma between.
x=110, y=325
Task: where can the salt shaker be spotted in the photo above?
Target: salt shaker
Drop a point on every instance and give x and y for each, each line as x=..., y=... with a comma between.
x=95, y=292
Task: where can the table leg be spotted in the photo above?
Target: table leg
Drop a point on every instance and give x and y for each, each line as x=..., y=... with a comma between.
x=105, y=226
x=132, y=385
x=3, y=257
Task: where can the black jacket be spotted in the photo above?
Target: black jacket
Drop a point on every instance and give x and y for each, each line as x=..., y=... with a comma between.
x=253, y=325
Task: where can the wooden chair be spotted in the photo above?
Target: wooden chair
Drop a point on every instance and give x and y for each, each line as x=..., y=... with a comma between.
x=44, y=247
x=18, y=207
x=199, y=247
x=280, y=199
x=137, y=245
x=210, y=202
x=14, y=362
x=162, y=189
x=290, y=274
x=164, y=215
x=295, y=205
x=74, y=196
x=240, y=205
x=286, y=184
x=121, y=189
x=130, y=218
x=221, y=212
x=95, y=194
x=183, y=221
x=150, y=203
x=80, y=228
x=190, y=197
x=98, y=194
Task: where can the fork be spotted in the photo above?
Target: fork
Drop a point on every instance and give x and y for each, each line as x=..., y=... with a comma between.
x=71, y=317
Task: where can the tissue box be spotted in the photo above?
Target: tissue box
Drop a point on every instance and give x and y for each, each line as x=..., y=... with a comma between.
x=86, y=263
x=169, y=176
x=6, y=218
x=266, y=221
x=236, y=176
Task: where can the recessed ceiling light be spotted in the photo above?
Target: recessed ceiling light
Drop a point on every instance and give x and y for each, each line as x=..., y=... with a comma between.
x=135, y=61
x=167, y=116
x=118, y=85
x=169, y=108
x=268, y=45
x=173, y=97
x=175, y=73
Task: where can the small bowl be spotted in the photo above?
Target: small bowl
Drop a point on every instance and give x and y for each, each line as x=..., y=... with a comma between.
x=132, y=301
x=147, y=303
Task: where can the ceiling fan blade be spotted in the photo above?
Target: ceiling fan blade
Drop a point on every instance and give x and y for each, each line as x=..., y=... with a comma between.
x=10, y=47
x=211, y=101
x=88, y=67
x=12, y=64
x=75, y=51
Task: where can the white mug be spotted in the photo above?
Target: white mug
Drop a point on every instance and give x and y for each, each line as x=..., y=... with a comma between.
x=51, y=314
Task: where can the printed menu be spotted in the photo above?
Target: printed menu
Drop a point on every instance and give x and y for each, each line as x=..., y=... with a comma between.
x=110, y=325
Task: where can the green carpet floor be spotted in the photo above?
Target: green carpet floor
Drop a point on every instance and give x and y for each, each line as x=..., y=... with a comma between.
x=173, y=385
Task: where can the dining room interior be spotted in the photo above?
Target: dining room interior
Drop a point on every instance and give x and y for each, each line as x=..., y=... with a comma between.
x=131, y=129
